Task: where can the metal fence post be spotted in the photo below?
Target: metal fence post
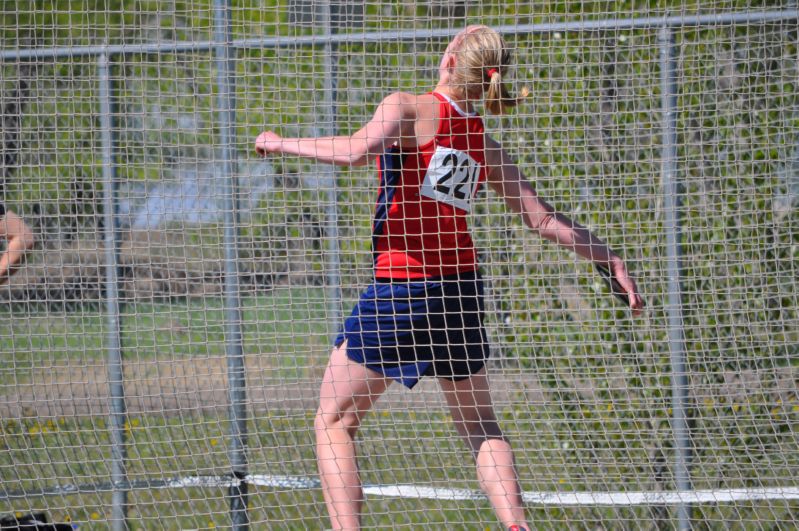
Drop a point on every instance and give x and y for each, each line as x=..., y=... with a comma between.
x=118, y=412
x=671, y=222
x=234, y=349
x=328, y=172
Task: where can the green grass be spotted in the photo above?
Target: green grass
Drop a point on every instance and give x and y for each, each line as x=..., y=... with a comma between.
x=567, y=444
x=400, y=448
x=288, y=322
x=79, y=449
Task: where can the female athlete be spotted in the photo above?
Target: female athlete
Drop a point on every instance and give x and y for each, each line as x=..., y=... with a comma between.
x=423, y=313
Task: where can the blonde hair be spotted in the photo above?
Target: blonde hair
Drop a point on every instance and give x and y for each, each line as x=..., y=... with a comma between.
x=482, y=60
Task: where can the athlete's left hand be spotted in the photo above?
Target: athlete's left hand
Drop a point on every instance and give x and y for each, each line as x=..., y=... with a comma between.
x=619, y=273
x=268, y=142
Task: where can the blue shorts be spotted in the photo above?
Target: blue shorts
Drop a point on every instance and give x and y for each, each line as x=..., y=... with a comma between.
x=406, y=330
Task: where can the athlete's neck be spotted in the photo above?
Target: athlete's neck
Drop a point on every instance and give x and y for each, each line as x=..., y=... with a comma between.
x=456, y=96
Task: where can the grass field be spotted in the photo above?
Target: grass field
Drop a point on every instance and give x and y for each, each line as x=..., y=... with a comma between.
x=177, y=349
x=288, y=326
x=397, y=449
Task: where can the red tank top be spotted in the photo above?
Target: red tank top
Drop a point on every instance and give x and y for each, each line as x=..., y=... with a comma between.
x=420, y=227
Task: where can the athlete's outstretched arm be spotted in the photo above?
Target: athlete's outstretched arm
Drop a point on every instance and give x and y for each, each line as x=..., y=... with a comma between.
x=393, y=120
x=505, y=177
x=19, y=239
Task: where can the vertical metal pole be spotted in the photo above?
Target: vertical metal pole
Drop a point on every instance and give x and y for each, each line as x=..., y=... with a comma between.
x=679, y=376
x=118, y=411
x=328, y=173
x=225, y=70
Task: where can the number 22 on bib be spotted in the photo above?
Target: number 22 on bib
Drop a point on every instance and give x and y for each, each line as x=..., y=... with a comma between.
x=452, y=178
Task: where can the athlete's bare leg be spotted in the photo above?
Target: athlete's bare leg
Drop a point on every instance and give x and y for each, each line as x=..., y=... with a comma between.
x=472, y=411
x=348, y=392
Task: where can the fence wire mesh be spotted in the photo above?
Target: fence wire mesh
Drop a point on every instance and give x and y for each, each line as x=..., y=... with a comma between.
x=161, y=238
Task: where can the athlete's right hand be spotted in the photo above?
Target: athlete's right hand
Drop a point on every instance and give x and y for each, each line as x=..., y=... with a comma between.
x=268, y=142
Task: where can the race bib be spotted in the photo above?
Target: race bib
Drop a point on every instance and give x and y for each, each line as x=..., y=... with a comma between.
x=452, y=178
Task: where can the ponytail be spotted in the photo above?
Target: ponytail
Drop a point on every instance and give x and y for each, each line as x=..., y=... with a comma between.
x=497, y=98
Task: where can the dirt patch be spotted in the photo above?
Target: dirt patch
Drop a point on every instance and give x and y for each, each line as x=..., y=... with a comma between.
x=199, y=385
x=153, y=265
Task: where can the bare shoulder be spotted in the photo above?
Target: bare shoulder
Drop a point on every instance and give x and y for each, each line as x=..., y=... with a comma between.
x=426, y=105
x=402, y=103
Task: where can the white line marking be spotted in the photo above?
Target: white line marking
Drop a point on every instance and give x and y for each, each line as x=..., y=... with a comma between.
x=423, y=492
x=550, y=498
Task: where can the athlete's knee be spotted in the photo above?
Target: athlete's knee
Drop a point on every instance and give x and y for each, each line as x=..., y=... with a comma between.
x=336, y=420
